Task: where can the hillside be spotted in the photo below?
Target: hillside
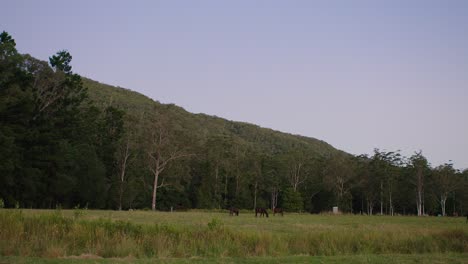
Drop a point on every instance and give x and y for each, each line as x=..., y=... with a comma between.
x=204, y=126
x=62, y=146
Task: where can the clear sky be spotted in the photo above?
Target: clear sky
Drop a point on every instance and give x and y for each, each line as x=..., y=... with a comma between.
x=357, y=74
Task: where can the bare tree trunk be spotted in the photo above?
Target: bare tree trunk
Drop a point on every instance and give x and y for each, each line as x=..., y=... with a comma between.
x=274, y=198
x=443, y=200
x=390, y=184
x=420, y=198
x=295, y=177
x=120, y=197
x=159, y=166
x=123, y=169
x=418, y=204
x=155, y=189
x=371, y=208
x=161, y=152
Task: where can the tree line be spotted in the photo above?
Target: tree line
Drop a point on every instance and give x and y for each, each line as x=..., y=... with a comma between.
x=64, y=146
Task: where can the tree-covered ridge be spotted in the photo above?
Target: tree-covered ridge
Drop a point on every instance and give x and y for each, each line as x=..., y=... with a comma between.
x=226, y=150
x=202, y=125
x=69, y=141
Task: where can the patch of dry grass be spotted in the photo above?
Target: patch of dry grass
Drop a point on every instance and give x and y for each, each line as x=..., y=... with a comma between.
x=56, y=234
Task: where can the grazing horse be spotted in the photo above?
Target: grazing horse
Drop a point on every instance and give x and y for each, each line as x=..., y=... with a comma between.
x=233, y=211
x=261, y=211
x=278, y=211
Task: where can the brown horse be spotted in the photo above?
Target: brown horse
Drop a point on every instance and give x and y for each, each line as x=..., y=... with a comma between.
x=277, y=210
x=261, y=211
x=233, y=211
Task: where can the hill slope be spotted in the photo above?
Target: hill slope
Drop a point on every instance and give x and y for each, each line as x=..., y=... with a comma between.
x=204, y=126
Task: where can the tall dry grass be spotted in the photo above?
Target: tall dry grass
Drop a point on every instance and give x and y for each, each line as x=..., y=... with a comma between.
x=53, y=235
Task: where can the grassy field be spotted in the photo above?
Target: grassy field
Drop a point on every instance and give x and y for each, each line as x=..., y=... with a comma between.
x=351, y=259
x=78, y=236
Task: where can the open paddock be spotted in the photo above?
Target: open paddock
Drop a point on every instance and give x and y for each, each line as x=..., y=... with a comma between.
x=213, y=236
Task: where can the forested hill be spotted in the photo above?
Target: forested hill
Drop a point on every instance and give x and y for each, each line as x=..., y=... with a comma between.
x=67, y=141
x=202, y=126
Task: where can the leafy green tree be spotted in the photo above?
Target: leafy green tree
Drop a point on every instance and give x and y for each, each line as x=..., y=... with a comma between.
x=111, y=129
x=15, y=107
x=446, y=182
x=48, y=133
x=420, y=169
x=367, y=182
x=257, y=166
x=339, y=175
x=162, y=150
x=274, y=180
x=460, y=195
x=292, y=200
x=385, y=168
x=90, y=188
x=219, y=154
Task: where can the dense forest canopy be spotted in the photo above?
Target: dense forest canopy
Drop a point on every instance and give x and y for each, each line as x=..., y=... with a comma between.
x=67, y=141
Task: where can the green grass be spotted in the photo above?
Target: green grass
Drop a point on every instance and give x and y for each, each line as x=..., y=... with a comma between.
x=396, y=259
x=214, y=236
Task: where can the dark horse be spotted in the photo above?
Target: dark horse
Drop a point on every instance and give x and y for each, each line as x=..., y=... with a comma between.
x=233, y=211
x=278, y=211
x=261, y=211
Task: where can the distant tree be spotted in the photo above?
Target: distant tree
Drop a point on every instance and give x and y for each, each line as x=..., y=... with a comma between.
x=16, y=106
x=445, y=183
x=255, y=168
x=90, y=187
x=461, y=194
x=257, y=175
x=292, y=200
x=385, y=167
x=7, y=48
x=367, y=182
x=109, y=137
x=220, y=154
x=57, y=90
x=273, y=171
x=419, y=165
x=298, y=173
x=161, y=151
x=338, y=177
x=123, y=157
x=239, y=160
x=314, y=184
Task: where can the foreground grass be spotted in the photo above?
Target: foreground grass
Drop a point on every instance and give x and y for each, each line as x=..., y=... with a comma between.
x=136, y=236
x=396, y=259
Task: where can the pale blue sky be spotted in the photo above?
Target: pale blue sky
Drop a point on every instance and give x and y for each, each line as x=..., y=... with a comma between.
x=357, y=74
